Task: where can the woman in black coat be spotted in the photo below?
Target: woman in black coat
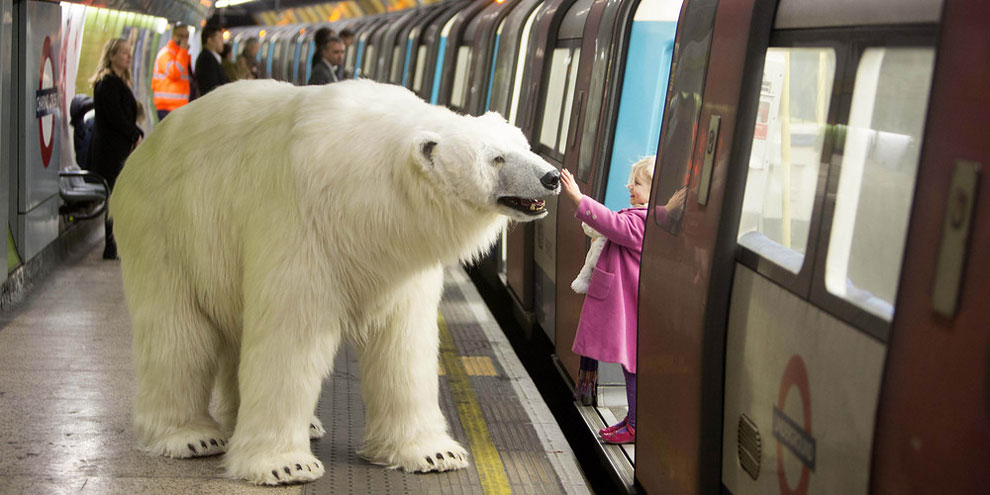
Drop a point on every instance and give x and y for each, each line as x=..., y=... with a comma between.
x=116, y=132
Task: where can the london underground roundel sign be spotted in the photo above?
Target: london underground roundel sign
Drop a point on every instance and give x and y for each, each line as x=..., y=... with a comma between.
x=794, y=434
x=46, y=103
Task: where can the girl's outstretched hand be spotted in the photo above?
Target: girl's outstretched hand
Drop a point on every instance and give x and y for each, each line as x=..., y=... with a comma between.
x=571, y=189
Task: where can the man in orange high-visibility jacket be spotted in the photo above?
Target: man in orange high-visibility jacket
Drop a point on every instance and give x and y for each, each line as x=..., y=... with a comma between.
x=172, y=79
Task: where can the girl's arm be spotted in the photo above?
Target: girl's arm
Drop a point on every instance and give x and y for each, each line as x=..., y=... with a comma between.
x=625, y=229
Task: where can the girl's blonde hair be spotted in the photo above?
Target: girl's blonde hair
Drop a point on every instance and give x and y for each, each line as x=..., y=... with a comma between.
x=643, y=169
x=103, y=67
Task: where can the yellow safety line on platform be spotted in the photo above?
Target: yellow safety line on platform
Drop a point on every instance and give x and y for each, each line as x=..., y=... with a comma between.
x=485, y=455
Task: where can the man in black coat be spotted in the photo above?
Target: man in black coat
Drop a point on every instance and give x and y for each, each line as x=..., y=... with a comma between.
x=326, y=63
x=209, y=73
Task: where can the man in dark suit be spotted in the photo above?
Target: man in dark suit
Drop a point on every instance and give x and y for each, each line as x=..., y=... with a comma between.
x=329, y=57
x=209, y=73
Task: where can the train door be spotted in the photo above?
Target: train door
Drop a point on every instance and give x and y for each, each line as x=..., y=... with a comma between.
x=484, y=30
x=550, y=141
x=417, y=48
x=622, y=84
x=837, y=134
x=933, y=422
x=392, y=46
x=510, y=60
x=405, y=40
x=453, y=72
x=680, y=351
x=375, y=49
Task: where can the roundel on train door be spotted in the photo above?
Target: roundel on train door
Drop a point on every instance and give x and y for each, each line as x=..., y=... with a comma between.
x=46, y=103
x=792, y=434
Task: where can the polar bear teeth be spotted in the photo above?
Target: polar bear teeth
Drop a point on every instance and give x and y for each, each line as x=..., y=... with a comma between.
x=523, y=205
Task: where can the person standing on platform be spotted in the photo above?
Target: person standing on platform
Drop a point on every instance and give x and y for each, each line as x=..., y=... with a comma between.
x=228, y=63
x=172, y=80
x=116, y=132
x=247, y=61
x=329, y=55
x=209, y=68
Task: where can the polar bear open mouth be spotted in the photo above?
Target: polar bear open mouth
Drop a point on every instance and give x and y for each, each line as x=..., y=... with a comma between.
x=527, y=206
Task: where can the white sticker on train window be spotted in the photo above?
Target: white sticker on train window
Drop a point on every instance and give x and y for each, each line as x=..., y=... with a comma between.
x=876, y=180
x=787, y=147
x=555, y=96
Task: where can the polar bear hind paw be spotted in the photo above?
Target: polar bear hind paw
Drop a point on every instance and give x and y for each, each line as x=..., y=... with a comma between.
x=284, y=469
x=189, y=443
x=316, y=429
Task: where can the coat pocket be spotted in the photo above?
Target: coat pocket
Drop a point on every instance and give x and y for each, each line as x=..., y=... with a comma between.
x=601, y=284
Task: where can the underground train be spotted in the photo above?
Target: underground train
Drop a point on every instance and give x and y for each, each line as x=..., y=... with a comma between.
x=813, y=319
x=831, y=156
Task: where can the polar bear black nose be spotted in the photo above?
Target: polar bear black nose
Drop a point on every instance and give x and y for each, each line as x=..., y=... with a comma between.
x=551, y=180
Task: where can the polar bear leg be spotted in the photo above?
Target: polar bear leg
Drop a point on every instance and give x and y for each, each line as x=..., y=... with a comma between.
x=228, y=395
x=174, y=353
x=404, y=427
x=283, y=362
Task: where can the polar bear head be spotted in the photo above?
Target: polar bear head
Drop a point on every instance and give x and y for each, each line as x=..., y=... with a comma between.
x=486, y=163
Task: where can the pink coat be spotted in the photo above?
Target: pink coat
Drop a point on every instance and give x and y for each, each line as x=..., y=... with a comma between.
x=607, y=330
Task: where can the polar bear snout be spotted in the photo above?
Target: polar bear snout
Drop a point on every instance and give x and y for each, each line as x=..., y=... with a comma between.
x=551, y=180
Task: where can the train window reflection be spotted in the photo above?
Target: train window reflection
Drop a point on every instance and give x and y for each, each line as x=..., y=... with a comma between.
x=876, y=181
x=522, y=58
x=555, y=96
x=460, y=76
x=787, y=146
x=568, y=100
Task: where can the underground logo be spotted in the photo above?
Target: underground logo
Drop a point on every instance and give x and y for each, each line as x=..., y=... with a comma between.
x=46, y=103
x=794, y=435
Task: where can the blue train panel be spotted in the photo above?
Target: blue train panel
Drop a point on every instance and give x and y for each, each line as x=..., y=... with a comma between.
x=644, y=91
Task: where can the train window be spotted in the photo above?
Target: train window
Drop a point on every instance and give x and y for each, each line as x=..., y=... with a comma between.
x=393, y=73
x=882, y=145
x=555, y=96
x=521, y=60
x=420, y=66
x=369, y=61
x=557, y=105
x=568, y=100
x=460, y=76
x=784, y=159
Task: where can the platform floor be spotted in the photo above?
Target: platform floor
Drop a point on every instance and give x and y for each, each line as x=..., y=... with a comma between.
x=67, y=386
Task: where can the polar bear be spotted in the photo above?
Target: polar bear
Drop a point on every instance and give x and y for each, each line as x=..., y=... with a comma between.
x=262, y=224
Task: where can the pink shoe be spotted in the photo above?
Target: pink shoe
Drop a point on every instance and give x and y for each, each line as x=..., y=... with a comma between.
x=626, y=434
x=612, y=429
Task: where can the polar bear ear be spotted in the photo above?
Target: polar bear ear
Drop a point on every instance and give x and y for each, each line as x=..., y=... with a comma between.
x=424, y=145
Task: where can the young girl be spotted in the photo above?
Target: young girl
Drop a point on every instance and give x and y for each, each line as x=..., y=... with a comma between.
x=607, y=330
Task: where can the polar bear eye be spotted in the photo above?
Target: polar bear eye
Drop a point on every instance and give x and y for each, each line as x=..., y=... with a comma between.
x=499, y=160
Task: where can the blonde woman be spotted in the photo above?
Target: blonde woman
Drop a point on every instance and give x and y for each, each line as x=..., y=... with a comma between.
x=116, y=132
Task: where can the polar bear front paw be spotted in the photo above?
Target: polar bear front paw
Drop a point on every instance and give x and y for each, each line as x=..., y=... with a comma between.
x=283, y=469
x=316, y=429
x=440, y=455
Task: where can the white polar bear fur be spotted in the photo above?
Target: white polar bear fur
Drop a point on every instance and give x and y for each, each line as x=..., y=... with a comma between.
x=261, y=224
x=583, y=279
